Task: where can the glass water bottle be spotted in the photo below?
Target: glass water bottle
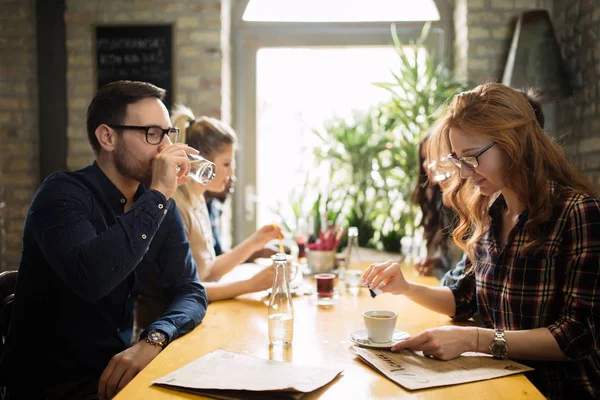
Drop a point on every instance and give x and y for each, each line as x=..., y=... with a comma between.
x=281, y=310
x=353, y=271
x=352, y=257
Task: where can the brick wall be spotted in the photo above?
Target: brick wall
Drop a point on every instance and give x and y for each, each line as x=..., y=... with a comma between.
x=196, y=51
x=483, y=32
x=577, y=24
x=197, y=83
x=19, y=160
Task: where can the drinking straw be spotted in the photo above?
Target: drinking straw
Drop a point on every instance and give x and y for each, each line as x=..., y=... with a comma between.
x=280, y=240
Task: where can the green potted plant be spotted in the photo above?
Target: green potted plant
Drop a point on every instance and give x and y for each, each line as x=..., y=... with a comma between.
x=420, y=88
x=372, y=157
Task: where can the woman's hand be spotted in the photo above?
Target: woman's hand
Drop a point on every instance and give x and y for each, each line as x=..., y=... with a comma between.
x=264, y=235
x=444, y=343
x=389, y=274
x=263, y=280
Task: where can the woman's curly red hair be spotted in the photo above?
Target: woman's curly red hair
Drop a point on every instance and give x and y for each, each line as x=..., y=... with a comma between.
x=504, y=115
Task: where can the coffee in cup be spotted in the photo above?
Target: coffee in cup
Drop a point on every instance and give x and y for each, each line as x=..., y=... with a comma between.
x=380, y=325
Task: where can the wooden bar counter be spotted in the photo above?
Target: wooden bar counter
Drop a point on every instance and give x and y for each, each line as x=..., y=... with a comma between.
x=320, y=338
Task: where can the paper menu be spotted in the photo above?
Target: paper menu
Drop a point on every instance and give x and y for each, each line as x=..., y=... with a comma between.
x=415, y=371
x=227, y=371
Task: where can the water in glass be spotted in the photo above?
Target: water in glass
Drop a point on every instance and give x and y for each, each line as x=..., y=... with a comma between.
x=201, y=170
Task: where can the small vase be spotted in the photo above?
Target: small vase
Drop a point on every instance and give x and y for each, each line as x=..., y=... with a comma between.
x=320, y=261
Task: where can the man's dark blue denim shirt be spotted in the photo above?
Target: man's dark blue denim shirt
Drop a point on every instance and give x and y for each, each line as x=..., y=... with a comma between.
x=83, y=263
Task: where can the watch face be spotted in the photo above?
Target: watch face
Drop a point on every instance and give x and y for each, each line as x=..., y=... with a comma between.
x=499, y=349
x=156, y=336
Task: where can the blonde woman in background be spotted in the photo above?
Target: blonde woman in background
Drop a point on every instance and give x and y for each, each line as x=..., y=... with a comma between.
x=216, y=142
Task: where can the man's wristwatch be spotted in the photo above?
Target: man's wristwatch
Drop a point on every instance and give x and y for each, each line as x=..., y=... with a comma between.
x=499, y=347
x=156, y=338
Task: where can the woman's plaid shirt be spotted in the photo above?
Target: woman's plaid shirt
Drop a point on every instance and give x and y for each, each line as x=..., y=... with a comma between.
x=557, y=287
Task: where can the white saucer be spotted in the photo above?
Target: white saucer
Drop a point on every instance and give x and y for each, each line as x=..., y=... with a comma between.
x=362, y=334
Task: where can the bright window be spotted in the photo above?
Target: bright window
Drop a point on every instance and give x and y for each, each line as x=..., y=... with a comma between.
x=341, y=10
x=298, y=89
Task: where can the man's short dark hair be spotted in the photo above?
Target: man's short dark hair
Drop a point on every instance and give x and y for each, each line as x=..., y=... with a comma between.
x=109, y=105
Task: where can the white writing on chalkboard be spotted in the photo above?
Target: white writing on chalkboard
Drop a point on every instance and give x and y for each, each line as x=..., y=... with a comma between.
x=105, y=44
x=156, y=57
x=136, y=52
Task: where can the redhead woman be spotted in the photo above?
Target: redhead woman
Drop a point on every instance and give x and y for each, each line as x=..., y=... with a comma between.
x=530, y=224
x=444, y=259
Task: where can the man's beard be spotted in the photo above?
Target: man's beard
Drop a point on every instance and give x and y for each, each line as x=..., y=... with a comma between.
x=128, y=165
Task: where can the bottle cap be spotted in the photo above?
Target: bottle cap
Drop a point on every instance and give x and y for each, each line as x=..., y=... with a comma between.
x=280, y=257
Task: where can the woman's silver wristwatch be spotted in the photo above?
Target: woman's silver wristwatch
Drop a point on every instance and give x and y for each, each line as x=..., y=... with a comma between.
x=499, y=347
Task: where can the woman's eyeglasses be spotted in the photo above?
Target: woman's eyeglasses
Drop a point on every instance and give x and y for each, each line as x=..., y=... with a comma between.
x=469, y=161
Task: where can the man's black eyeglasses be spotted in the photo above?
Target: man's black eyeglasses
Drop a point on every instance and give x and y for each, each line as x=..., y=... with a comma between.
x=154, y=134
x=469, y=161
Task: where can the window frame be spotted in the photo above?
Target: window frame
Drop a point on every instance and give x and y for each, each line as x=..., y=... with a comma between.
x=247, y=37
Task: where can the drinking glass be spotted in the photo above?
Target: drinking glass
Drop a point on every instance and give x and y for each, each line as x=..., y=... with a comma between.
x=352, y=280
x=325, y=285
x=201, y=170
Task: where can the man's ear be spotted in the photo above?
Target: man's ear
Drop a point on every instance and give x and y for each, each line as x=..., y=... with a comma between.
x=107, y=137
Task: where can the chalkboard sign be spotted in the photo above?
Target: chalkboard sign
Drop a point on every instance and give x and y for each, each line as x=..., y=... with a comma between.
x=138, y=53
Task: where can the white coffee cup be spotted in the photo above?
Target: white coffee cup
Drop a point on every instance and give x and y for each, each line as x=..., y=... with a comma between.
x=380, y=325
